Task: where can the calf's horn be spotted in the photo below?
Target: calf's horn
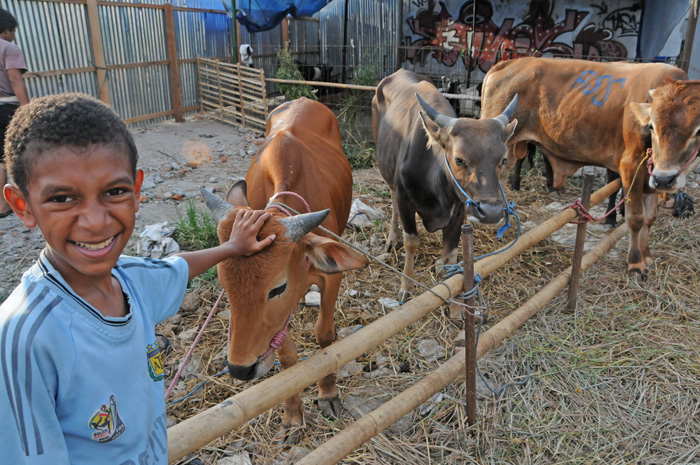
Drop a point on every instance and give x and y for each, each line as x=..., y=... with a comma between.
x=300, y=225
x=507, y=114
x=216, y=205
x=442, y=121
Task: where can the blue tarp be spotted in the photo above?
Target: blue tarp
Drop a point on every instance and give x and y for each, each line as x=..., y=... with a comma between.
x=263, y=15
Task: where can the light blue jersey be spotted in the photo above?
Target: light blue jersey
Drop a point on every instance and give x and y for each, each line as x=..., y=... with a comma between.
x=78, y=387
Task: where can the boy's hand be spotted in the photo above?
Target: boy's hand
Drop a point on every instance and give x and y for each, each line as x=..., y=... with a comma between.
x=246, y=226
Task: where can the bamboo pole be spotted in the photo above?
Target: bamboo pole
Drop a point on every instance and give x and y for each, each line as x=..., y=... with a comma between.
x=372, y=423
x=206, y=426
x=322, y=84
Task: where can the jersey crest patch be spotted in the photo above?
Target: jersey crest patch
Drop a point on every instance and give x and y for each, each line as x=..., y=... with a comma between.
x=155, y=362
x=106, y=422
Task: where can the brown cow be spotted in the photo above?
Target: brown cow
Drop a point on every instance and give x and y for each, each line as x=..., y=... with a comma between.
x=301, y=160
x=583, y=113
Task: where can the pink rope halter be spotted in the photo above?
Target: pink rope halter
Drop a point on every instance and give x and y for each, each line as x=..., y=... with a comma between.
x=650, y=161
x=278, y=339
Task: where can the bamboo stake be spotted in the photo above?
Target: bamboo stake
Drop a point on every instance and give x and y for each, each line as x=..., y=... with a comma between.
x=322, y=84
x=371, y=424
x=580, y=241
x=469, y=320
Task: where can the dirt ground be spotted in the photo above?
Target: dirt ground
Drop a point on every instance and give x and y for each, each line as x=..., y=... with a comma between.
x=177, y=158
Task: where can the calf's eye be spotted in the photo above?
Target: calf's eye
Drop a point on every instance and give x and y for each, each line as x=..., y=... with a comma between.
x=277, y=291
x=459, y=161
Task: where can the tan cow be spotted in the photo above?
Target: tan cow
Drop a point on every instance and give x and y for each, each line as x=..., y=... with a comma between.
x=583, y=113
x=301, y=161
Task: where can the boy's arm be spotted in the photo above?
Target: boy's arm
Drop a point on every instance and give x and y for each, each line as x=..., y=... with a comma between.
x=242, y=242
x=18, y=86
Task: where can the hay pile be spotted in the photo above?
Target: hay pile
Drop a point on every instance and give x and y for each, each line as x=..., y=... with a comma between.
x=616, y=381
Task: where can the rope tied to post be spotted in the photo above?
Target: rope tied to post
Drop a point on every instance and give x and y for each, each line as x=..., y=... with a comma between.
x=586, y=217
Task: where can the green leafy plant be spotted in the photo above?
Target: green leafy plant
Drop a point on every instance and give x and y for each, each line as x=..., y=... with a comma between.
x=360, y=154
x=288, y=70
x=195, y=230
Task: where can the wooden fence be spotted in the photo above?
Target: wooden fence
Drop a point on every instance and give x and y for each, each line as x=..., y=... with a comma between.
x=233, y=93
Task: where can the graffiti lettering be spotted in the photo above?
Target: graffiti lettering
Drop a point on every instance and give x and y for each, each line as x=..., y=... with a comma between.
x=586, y=77
x=443, y=38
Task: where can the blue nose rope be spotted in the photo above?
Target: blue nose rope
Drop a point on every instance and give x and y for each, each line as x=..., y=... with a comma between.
x=508, y=210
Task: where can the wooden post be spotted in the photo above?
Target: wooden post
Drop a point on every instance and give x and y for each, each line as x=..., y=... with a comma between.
x=99, y=58
x=285, y=30
x=238, y=38
x=580, y=240
x=172, y=58
x=687, y=53
x=469, y=321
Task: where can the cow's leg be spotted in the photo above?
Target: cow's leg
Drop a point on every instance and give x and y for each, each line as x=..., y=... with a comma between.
x=634, y=215
x=410, y=244
x=651, y=204
x=328, y=398
x=611, y=219
x=515, y=180
x=450, y=241
x=394, y=226
x=293, y=417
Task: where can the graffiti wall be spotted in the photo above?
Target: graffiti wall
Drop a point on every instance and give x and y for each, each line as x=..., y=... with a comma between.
x=437, y=33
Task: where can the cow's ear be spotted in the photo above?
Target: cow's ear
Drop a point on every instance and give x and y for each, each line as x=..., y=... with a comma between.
x=238, y=195
x=509, y=130
x=642, y=111
x=329, y=256
x=432, y=130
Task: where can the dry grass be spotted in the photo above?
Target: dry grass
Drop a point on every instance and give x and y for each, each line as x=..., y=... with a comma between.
x=615, y=382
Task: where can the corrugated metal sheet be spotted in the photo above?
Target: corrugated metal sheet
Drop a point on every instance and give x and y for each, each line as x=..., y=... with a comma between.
x=55, y=36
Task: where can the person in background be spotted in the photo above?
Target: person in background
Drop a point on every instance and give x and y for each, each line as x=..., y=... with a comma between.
x=13, y=92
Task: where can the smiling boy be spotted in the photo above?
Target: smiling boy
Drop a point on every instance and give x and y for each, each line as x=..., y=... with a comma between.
x=82, y=379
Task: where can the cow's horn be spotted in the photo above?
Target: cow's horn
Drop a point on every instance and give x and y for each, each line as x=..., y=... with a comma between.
x=216, y=205
x=300, y=225
x=507, y=114
x=442, y=121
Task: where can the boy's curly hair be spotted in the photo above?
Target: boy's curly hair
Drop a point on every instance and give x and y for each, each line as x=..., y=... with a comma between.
x=69, y=119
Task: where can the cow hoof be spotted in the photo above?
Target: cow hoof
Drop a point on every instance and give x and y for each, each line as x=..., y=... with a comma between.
x=608, y=226
x=331, y=408
x=636, y=273
x=390, y=246
x=404, y=296
x=287, y=435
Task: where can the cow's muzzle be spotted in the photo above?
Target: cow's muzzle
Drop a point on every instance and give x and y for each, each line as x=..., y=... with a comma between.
x=254, y=371
x=666, y=181
x=487, y=212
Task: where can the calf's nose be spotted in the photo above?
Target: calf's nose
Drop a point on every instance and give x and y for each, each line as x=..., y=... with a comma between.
x=241, y=372
x=488, y=212
x=664, y=181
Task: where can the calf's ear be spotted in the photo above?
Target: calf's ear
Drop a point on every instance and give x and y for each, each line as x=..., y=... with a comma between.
x=509, y=130
x=330, y=256
x=238, y=195
x=642, y=111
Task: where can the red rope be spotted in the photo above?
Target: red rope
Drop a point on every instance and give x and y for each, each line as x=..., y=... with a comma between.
x=194, y=344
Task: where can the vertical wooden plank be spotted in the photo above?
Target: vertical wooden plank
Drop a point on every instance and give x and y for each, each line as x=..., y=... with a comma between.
x=172, y=58
x=238, y=38
x=240, y=95
x=580, y=240
x=98, y=50
x=199, y=81
x=218, y=86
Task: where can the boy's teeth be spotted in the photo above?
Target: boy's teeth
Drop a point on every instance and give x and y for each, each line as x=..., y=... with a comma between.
x=99, y=246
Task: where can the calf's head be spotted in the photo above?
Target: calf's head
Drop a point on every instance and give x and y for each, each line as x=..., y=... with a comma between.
x=475, y=151
x=265, y=288
x=673, y=117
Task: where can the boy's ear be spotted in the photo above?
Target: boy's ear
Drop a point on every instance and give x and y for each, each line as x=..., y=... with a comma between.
x=19, y=204
x=137, y=187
